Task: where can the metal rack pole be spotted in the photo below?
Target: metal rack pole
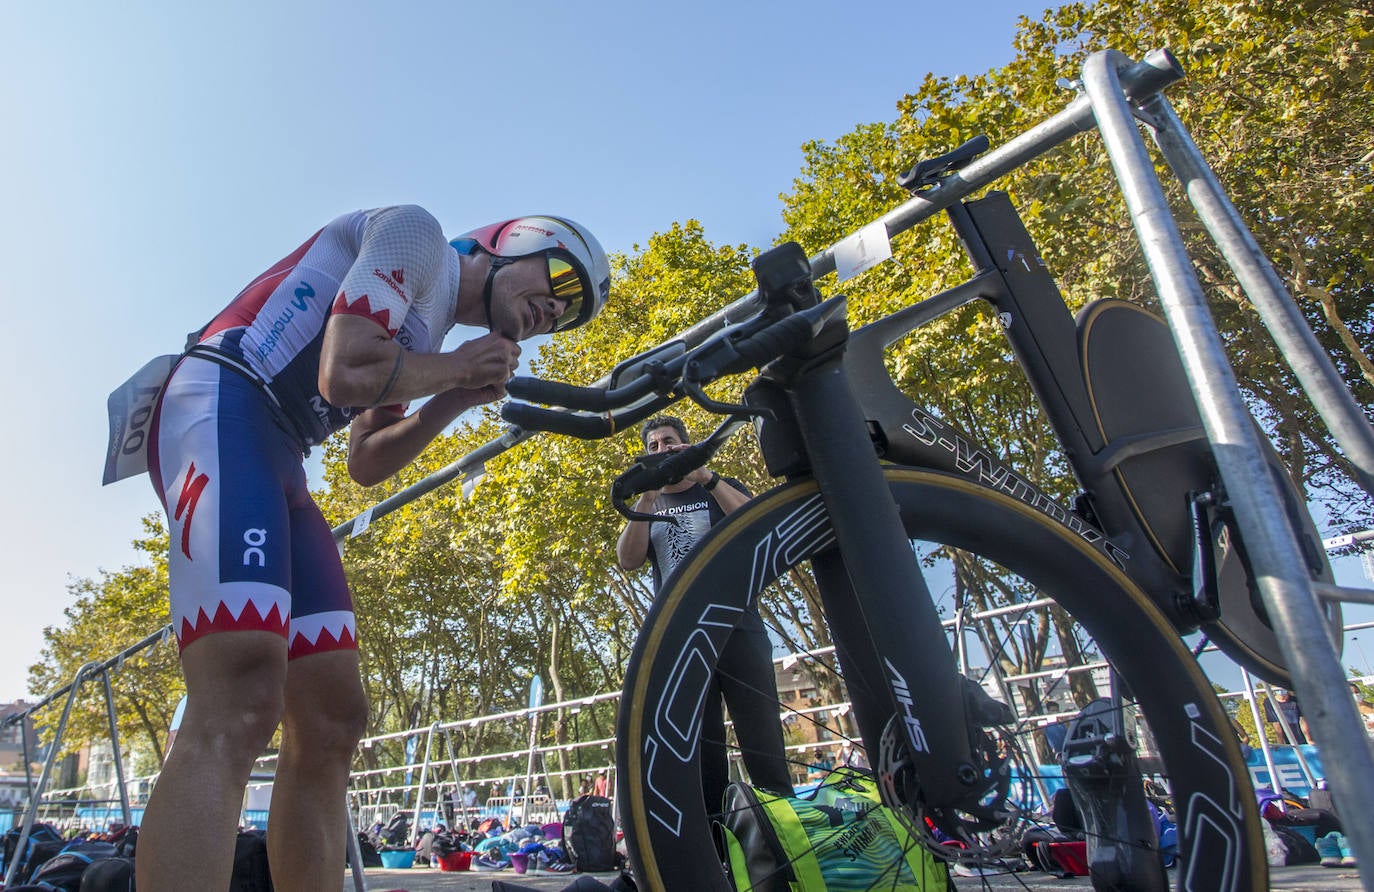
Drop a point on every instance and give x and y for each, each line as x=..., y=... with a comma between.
x=1281, y=314
x=114, y=748
x=31, y=814
x=1278, y=563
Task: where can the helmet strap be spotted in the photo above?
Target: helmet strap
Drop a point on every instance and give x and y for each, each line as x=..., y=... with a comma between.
x=496, y=263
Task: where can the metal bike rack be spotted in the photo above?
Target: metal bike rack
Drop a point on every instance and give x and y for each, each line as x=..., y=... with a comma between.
x=1280, y=569
x=72, y=689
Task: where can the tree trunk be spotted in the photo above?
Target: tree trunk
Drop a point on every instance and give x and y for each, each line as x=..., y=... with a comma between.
x=560, y=728
x=1080, y=683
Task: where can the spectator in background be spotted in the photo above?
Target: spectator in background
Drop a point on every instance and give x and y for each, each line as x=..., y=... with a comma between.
x=821, y=765
x=602, y=784
x=852, y=756
x=1243, y=736
x=689, y=508
x=1285, y=704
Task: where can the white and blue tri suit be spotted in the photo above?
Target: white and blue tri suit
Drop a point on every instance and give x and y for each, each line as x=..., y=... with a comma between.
x=249, y=548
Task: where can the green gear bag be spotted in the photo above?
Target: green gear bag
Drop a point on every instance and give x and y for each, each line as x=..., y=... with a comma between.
x=838, y=838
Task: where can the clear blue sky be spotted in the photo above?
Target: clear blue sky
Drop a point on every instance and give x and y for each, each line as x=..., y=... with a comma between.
x=157, y=156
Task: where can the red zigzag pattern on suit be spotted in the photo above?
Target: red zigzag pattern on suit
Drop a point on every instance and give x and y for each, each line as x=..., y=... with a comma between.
x=224, y=621
x=251, y=619
x=363, y=307
x=303, y=647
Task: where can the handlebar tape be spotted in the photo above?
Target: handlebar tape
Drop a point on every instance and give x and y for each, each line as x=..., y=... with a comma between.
x=556, y=393
x=533, y=418
x=657, y=470
x=778, y=339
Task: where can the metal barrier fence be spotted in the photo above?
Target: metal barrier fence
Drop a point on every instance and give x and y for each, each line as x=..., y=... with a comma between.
x=422, y=786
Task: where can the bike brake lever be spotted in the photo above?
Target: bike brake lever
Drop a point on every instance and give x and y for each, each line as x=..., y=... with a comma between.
x=697, y=395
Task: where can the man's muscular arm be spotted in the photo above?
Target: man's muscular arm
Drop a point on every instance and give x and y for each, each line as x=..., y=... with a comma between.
x=632, y=548
x=361, y=366
x=358, y=358
x=381, y=441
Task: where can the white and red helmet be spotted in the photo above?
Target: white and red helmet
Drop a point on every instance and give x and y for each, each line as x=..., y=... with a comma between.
x=578, y=269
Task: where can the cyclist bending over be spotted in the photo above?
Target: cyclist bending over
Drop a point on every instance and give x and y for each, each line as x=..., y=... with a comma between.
x=343, y=332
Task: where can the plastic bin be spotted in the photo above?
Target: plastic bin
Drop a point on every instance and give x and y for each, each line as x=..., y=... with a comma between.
x=1306, y=831
x=398, y=859
x=454, y=861
x=1072, y=857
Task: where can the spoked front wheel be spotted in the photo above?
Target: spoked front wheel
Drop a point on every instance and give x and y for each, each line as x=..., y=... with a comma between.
x=672, y=672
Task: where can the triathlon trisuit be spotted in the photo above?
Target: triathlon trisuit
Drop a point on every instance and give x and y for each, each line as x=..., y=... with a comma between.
x=249, y=548
x=392, y=266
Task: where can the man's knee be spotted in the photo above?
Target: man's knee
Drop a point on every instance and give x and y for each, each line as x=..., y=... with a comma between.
x=327, y=710
x=235, y=692
x=330, y=728
x=343, y=720
x=235, y=728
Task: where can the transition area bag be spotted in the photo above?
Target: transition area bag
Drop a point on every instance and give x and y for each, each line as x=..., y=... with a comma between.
x=589, y=834
x=838, y=837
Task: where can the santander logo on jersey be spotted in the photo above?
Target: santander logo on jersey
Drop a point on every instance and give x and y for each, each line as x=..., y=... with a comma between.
x=394, y=280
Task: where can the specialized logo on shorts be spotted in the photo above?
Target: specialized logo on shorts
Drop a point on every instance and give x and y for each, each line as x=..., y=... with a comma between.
x=191, y=488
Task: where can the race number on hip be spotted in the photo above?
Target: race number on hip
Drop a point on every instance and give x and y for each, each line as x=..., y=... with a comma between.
x=131, y=412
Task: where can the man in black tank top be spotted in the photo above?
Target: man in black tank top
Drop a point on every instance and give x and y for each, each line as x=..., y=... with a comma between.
x=699, y=501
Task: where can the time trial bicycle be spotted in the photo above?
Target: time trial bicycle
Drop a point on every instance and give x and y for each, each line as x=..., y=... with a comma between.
x=1149, y=551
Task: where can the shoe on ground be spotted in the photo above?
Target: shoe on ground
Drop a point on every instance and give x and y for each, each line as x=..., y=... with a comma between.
x=484, y=863
x=983, y=869
x=1329, y=848
x=554, y=867
x=1347, y=856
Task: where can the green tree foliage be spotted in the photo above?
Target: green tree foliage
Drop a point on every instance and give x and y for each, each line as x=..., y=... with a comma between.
x=1268, y=101
x=461, y=599
x=110, y=614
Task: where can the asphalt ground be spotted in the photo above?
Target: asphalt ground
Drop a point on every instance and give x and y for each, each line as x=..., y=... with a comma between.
x=1306, y=878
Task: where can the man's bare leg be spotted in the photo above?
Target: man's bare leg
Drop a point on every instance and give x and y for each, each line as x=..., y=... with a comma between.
x=235, y=685
x=326, y=714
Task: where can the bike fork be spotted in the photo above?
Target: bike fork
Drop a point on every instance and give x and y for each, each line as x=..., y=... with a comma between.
x=895, y=654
